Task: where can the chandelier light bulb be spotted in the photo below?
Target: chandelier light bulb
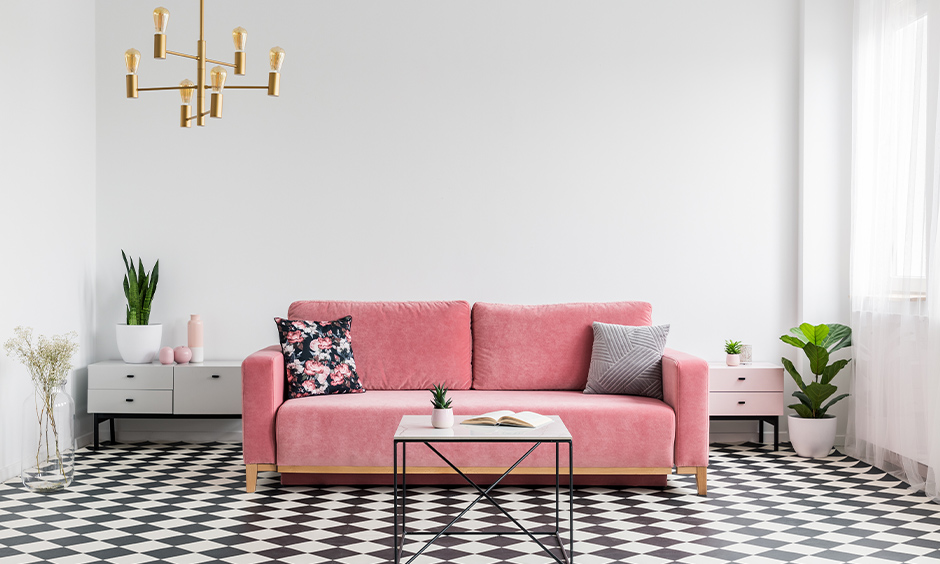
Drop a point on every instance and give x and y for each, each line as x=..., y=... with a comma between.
x=239, y=37
x=187, y=87
x=277, y=58
x=132, y=60
x=160, y=17
x=217, y=77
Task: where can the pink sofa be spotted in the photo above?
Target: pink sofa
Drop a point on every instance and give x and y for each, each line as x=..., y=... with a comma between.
x=491, y=357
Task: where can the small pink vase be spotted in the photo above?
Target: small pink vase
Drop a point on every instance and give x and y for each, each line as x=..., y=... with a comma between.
x=166, y=355
x=182, y=355
x=194, y=332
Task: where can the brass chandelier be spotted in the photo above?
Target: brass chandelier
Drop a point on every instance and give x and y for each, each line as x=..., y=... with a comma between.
x=217, y=75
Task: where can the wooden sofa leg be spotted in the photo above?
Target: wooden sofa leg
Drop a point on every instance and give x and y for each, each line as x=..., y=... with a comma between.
x=701, y=473
x=251, y=477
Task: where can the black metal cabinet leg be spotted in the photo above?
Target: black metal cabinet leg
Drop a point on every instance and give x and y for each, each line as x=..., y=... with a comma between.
x=760, y=430
x=111, y=428
x=97, y=421
x=777, y=433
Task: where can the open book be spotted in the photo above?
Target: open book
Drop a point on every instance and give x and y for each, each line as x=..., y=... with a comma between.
x=510, y=419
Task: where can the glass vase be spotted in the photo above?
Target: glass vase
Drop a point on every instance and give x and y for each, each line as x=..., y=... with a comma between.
x=48, y=456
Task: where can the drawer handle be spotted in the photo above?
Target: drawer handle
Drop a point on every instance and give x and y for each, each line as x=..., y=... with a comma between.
x=130, y=375
x=740, y=403
x=742, y=378
x=215, y=376
x=129, y=400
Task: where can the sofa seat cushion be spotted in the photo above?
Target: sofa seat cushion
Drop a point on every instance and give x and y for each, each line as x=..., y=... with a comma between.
x=403, y=345
x=541, y=347
x=609, y=431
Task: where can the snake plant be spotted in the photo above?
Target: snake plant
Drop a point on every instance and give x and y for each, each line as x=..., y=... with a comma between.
x=439, y=399
x=139, y=288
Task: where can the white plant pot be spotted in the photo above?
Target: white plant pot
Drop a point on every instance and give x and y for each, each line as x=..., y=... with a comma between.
x=442, y=418
x=733, y=359
x=812, y=438
x=138, y=344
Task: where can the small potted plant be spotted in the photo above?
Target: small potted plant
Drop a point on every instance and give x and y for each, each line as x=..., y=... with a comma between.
x=442, y=417
x=733, y=351
x=138, y=341
x=812, y=430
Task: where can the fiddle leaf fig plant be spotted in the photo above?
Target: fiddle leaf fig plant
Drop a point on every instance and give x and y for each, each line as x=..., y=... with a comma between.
x=818, y=343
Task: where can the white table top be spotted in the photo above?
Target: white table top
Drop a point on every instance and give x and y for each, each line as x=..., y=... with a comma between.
x=762, y=365
x=418, y=428
x=209, y=363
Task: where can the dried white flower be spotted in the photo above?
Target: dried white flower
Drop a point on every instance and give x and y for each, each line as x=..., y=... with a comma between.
x=48, y=360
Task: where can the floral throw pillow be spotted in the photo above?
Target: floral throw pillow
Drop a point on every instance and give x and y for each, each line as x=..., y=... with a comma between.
x=318, y=356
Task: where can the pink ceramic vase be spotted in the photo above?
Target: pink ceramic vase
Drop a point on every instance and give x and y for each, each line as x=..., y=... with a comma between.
x=182, y=355
x=166, y=355
x=194, y=332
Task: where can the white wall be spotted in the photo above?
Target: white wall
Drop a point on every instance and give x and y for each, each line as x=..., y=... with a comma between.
x=522, y=152
x=825, y=177
x=47, y=195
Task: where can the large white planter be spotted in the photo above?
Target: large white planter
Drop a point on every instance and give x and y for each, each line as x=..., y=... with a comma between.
x=812, y=438
x=442, y=418
x=138, y=344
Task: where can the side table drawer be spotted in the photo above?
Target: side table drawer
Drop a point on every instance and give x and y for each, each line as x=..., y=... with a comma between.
x=140, y=401
x=745, y=403
x=745, y=379
x=211, y=390
x=130, y=376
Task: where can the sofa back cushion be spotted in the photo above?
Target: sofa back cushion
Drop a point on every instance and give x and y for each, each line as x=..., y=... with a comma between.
x=403, y=345
x=541, y=347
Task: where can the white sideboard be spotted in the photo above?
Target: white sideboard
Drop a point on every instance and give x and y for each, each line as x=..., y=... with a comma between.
x=205, y=390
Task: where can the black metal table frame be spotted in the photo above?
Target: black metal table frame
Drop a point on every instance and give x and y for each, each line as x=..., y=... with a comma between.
x=400, y=540
x=110, y=417
x=761, y=419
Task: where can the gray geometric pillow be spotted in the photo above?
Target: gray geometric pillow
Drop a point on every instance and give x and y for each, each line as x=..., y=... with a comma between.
x=627, y=360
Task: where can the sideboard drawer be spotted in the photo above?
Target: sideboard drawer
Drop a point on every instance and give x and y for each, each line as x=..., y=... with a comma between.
x=130, y=401
x=745, y=403
x=745, y=379
x=208, y=390
x=130, y=377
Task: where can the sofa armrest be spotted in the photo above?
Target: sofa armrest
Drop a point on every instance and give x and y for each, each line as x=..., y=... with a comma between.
x=685, y=389
x=262, y=395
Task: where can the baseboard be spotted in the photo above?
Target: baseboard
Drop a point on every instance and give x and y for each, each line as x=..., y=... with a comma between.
x=9, y=472
x=178, y=436
x=738, y=438
x=85, y=440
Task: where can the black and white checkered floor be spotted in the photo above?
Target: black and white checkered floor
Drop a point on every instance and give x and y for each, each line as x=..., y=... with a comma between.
x=185, y=503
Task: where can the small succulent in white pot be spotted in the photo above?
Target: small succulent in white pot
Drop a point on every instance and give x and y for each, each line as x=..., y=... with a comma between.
x=733, y=352
x=442, y=417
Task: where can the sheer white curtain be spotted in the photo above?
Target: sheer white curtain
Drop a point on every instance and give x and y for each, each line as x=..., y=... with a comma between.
x=894, y=420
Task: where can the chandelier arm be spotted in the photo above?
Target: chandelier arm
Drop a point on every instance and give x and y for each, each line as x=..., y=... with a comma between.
x=168, y=52
x=220, y=63
x=167, y=88
x=203, y=114
x=246, y=87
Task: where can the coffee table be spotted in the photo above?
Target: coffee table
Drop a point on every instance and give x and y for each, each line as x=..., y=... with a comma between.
x=418, y=429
